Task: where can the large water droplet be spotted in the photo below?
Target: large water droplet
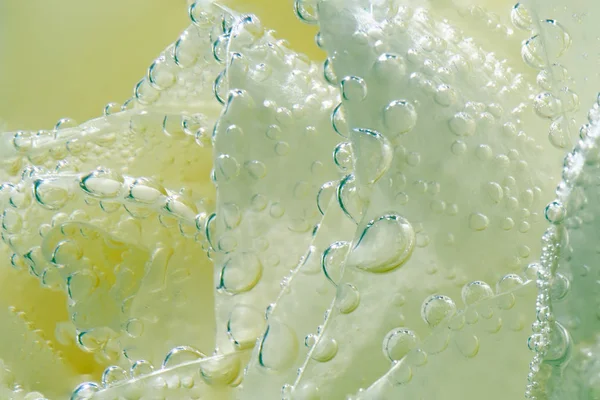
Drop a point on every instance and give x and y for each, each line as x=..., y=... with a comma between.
x=348, y=298
x=180, y=355
x=245, y=324
x=374, y=154
x=240, y=273
x=354, y=88
x=279, y=346
x=386, y=243
x=333, y=261
x=436, y=308
x=51, y=193
x=114, y=375
x=398, y=342
x=476, y=291
x=399, y=117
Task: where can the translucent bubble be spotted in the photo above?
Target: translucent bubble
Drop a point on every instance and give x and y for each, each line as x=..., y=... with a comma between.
x=11, y=221
x=546, y=105
x=478, y=221
x=339, y=121
x=509, y=283
x=467, y=344
x=220, y=371
x=532, y=52
x=278, y=348
x=114, y=375
x=220, y=89
x=386, y=243
x=560, y=346
x=354, y=88
x=325, y=194
x=245, y=324
x=376, y=154
x=399, y=117
x=436, y=308
x=476, y=291
x=141, y=368
x=306, y=10
x=398, y=342
x=226, y=168
x=146, y=191
x=240, y=273
x=51, y=193
x=348, y=298
x=85, y=391
x=445, y=95
x=102, y=183
x=145, y=93
x=329, y=73
x=343, y=157
x=389, y=68
x=462, y=124
x=348, y=198
x=160, y=75
x=555, y=212
x=81, y=284
x=560, y=286
x=180, y=355
x=333, y=261
x=521, y=18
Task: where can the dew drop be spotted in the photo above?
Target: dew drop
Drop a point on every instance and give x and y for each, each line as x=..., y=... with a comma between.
x=348, y=298
x=278, y=348
x=114, y=375
x=555, y=213
x=333, y=261
x=354, y=88
x=245, y=324
x=398, y=342
x=51, y=193
x=324, y=349
x=240, y=273
x=399, y=117
x=386, y=243
x=476, y=291
x=478, y=221
x=180, y=355
x=436, y=308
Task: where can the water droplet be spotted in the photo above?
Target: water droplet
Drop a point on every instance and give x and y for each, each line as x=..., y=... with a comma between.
x=389, y=68
x=532, y=52
x=146, y=191
x=240, y=273
x=333, y=261
x=546, y=105
x=339, y=121
x=348, y=198
x=325, y=194
x=376, y=154
x=180, y=355
x=467, y=344
x=348, y=298
x=560, y=344
x=386, y=243
x=462, y=124
x=398, y=342
x=231, y=215
x=278, y=348
x=85, y=391
x=509, y=283
x=226, y=168
x=520, y=17
x=324, y=349
x=343, y=157
x=306, y=10
x=478, y=221
x=102, y=183
x=560, y=286
x=51, y=193
x=245, y=324
x=329, y=73
x=436, y=308
x=476, y=291
x=141, y=368
x=555, y=212
x=114, y=375
x=445, y=95
x=354, y=88
x=399, y=117
x=160, y=75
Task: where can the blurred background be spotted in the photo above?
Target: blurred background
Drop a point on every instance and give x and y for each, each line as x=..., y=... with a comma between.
x=69, y=58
